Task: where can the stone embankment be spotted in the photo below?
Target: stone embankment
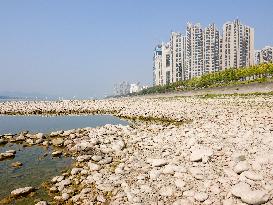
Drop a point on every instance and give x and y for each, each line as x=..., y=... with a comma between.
x=222, y=155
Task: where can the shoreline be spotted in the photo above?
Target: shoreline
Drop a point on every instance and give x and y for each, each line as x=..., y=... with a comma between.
x=225, y=145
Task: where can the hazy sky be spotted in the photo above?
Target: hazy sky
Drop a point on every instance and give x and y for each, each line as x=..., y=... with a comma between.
x=82, y=47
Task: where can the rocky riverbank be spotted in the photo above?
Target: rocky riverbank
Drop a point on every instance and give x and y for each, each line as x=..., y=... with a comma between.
x=221, y=154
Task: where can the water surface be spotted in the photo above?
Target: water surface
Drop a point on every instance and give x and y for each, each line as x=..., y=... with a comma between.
x=45, y=124
x=38, y=166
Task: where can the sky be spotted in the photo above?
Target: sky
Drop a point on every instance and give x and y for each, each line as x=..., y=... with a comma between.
x=82, y=48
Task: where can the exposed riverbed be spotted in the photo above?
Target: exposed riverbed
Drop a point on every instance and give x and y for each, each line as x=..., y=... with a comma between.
x=221, y=154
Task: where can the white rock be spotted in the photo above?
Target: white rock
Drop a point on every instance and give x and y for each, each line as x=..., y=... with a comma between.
x=182, y=202
x=56, y=153
x=57, y=142
x=228, y=202
x=240, y=189
x=83, y=158
x=179, y=183
x=75, y=171
x=253, y=176
x=65, y=196
x=118, y=145
x=154, y=174
x=198, y=154
x=167, y=191
x=21, y=191
x=243, y=191
x=57, y=179
x=96, y=158
x=170, y=169
x=64, y=182
x=93, y=166
x=201, y=196
x=157, y=162
x=106, y=160
x=101, y=198
x=11, y=151
x=241, y=167
x=41, y=203
x=196, y=172
x=255, y=197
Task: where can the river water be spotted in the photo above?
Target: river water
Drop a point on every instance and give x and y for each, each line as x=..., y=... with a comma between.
x=46, y=124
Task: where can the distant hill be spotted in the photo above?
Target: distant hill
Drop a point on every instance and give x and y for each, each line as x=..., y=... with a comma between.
x=23, y=95
x=7, y=97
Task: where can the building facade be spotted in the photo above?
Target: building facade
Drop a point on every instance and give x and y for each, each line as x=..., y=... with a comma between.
x=238, y=45
x=258, y=59
x=211, y=48
x=266, y=55
x=195, y=60
x=167, y=74
x=162, y=65
x=178, y=56
x=157, y=66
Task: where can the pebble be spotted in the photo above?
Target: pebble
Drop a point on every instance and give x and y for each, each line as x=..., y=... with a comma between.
x=93, y=167
x=196, y=173
x=167, y=191
x=56, y=153
x=253, y=176
x=42, y=203
x=16, y=164
x=22, y=191
x=241, y=167
x=201, y=196
x=157, y=162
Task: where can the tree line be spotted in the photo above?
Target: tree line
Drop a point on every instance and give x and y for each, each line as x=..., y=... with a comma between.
x=257, y=73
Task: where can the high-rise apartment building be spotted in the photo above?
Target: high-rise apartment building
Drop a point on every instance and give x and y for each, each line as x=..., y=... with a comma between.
x=220, y=52
x=211, y=49
x=238, y=45
x=178, y=56
x=195, y=60
x=162, y=68
x=157, y=66
x=264, y=56
x=203, y=51
x=167, y=74
x=258, y=59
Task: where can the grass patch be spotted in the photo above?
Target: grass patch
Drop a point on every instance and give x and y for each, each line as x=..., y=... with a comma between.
x=208, y=96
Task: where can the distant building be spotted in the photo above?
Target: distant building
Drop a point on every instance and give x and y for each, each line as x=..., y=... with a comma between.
x=258, y=57
x=135, y=87
x=211, y=49
x=178, y=44
x=124, y=88
x=195, y=59
x=203, y=51
x=166, y=64
x=238, y=45
x=157, y=66
x=264, y=56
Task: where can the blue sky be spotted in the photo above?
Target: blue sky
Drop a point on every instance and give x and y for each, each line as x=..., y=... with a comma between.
x=81, y=48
